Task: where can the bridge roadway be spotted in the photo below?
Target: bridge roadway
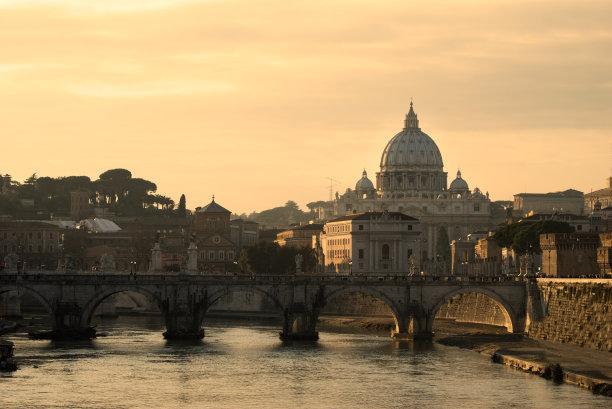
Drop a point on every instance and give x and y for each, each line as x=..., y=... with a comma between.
x=183, y=299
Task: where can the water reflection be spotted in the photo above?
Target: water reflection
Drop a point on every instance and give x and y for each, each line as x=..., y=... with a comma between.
x=244, y=364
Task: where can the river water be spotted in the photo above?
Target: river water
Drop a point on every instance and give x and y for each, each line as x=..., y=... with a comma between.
x=244, y=364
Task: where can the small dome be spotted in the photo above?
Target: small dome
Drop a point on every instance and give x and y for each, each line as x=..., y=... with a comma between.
x=459, y=183
x=364, y=184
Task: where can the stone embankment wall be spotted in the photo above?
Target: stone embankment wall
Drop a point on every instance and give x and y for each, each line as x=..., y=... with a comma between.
x=357, y=304
x=575, y=313
x=472, y=307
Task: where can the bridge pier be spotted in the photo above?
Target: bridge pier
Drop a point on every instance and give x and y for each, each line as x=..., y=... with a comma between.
x=299, y=324
x=412, y=326
x=68, y=323
x=10, y=304
x=184, y=314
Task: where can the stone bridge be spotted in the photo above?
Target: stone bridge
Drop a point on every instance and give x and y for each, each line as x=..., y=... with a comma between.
x=183, y=299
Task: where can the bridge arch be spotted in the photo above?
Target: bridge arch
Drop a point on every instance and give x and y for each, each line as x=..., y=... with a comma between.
x=91, y=305
x=219, y=293
x=39, y=297
x=395, y=310
x=511, y=321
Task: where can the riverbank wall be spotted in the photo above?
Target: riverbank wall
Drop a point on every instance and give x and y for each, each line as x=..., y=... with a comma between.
x=575, y=311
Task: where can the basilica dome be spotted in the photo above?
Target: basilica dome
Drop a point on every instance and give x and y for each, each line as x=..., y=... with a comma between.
x=364, y=184
x=459, y=183
x=411, y=148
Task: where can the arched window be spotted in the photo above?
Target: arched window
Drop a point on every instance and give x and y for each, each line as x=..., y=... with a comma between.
x=385, y=252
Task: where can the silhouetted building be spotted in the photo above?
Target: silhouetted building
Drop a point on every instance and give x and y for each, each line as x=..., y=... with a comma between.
x=216, y=251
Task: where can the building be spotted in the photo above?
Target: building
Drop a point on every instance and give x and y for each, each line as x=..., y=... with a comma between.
x=568, y=201
x=604, y=254
x=80, y=205
x=581, y=224
x=38, y=243
x=299, y=236
x=599, y=199
x=412, y=181
x=569, y=254
x=216, y=251
x=487, y=249
x=371, y=243
x=243, y=233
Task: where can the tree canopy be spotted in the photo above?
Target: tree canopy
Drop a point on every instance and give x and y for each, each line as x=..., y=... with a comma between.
x=270, y=258
x=524, y=237
x=115, y=190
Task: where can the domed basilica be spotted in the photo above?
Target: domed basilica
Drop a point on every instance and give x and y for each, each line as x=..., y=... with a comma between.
x=412, y=180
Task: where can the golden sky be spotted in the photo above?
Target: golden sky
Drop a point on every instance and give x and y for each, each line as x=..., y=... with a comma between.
x=259, y=102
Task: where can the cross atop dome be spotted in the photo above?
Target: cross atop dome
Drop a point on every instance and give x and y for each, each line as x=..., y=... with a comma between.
x=412, y=121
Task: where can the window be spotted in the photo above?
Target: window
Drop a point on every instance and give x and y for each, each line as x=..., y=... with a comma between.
x=385, y=252
x=230, y=255
x=221, y=255
x=360, y=253
x=579, y=227
x=409, y=227
x=211, y=255
x=361, y=227
x=476, y=207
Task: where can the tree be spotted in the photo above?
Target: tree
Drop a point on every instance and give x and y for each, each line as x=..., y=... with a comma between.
x=524, y=237
x=181, y=210
x=443, y=250
x=270, y=258
x=116, y=174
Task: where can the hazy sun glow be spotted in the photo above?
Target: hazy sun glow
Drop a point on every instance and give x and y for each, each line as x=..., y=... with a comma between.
x=258, y=102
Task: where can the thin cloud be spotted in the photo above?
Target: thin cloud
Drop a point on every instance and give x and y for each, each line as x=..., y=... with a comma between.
x=143, y=90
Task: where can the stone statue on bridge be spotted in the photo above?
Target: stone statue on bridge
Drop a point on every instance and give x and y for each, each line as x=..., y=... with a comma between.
x=10, y=262
x=299, y=259
x=411, y=265
x=107, y=263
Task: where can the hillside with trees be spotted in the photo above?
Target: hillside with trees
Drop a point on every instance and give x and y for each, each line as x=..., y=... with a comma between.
x=115, y=190
x=281, y=216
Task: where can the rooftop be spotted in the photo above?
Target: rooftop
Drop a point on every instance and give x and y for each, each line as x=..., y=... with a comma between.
x=373, y=216
x=569, y=193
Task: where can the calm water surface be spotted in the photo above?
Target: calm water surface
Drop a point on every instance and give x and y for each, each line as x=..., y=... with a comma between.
x=242, y=364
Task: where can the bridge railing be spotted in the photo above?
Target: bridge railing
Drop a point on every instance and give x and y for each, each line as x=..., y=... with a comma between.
x=120, y=277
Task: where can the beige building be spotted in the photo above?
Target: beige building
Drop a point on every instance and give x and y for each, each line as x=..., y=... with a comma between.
x=412, y=181
x=299, y=236
x=599, y=199
x=568, y=201
x=371, y=243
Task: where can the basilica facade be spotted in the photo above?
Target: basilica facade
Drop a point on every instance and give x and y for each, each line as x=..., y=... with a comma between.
x=412, y=181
